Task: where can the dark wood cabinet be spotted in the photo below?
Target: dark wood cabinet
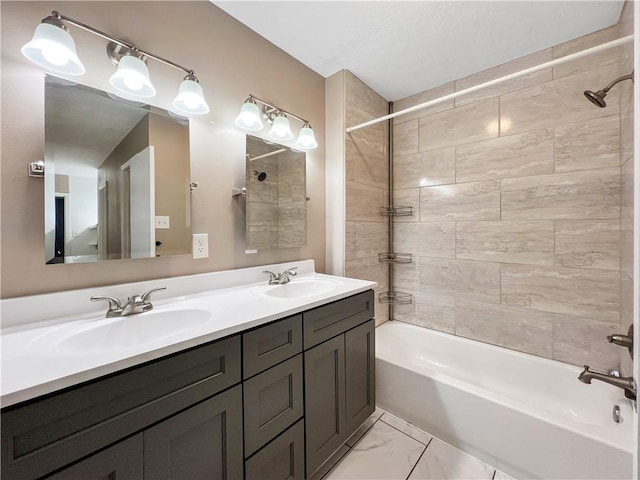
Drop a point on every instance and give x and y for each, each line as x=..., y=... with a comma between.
x=203, y=442
x=274, y=402
x=122, y=461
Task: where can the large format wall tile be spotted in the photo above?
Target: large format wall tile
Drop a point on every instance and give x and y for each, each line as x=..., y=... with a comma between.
x=592, y=294
x=556, y=103
x=529, y=153
x=423, y=97
x=430, y=311
x=405, y=138
x=470, y=123
x=517, y=65
x=588, y=244
x=425, y=239
x=368, y=160
x=591, y=144
x=364, y=202
x=465, y=201
x=436, y=167
x=594, y=60
x=517, y=328
x=508, y=242
x=408, y=197
x=371, y=239
x=584, y=342
x=587, y=194
x=406, y=276
x=350, y=241
x=473, y=280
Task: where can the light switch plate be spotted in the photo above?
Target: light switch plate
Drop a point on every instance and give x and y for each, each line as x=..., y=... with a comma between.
x=162, y=222
x=200, y=245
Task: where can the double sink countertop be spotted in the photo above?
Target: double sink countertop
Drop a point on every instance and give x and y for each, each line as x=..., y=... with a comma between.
x=44, y=352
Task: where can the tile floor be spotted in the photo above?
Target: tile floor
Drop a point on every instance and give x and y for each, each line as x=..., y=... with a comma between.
x=386, y=447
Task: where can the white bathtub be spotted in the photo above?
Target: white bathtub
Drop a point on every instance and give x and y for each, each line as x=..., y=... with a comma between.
x=522, y=414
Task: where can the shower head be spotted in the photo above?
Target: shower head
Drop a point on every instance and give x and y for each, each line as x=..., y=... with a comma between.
x=261, y=175
x=597, y=98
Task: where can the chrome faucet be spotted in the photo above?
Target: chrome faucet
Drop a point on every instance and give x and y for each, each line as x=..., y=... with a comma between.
x=628, y=384
x=135, y=304
x=281, y=278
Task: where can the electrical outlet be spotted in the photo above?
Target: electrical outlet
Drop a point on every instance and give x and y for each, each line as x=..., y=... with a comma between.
x=200, y=245
x=162, y=222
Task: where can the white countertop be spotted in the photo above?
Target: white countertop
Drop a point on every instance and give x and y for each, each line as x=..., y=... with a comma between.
x=34, y=363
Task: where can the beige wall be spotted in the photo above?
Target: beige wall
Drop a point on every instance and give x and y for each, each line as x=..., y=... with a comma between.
x=171, y=142
x=230, y=60
x=367, y=188
x=518, y=192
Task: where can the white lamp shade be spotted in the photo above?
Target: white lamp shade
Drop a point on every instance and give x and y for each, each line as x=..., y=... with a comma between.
x=280, y=129
x=132, y=77
x=190, y=99
x=306, y=139
x=53, y=48
x=249, y=117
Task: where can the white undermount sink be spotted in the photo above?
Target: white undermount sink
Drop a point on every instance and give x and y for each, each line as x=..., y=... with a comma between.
x=301, y=288
x=131, y=331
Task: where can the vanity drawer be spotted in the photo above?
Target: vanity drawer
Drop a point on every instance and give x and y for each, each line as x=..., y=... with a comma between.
x=273, y=401
x=58, y=429
x=327, y=321
x=267, y=346
x=282, y=459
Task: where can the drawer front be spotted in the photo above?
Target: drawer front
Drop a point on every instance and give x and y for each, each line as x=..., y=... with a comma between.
x=269, y=345
x=282, y=459
x=273, y=401
x=57, y=430
x=327, y=321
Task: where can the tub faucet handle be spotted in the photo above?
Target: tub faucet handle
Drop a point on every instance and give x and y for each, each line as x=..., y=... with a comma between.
x=621, y=340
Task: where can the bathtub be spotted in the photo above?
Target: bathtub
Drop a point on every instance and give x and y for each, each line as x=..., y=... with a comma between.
x=525, y=415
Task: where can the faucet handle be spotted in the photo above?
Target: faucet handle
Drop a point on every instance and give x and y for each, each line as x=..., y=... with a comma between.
x=291, y=271
x=146, y=296
x=115, y=309
x=272, y=276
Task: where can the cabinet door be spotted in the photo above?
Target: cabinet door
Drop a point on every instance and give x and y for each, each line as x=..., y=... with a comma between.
x=203, y=442
x=272, y=403
x=360, y=374
x=324, y=401
x=282, y=459
x=123, y=461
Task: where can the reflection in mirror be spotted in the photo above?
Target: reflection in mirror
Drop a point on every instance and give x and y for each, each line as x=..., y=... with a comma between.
x=276, y=196
x=116, y=177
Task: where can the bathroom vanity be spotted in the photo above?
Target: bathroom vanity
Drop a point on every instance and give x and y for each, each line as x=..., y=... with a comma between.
x=274, y=399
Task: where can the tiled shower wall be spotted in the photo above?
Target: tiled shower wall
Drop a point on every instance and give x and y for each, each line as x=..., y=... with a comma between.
x=367, y=188
x=521, y=208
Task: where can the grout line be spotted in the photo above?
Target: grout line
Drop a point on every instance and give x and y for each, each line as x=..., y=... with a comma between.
x=405, y=433
x=419, y=458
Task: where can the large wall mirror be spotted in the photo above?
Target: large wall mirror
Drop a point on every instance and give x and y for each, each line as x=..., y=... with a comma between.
x=276, y=196
x=116, y=177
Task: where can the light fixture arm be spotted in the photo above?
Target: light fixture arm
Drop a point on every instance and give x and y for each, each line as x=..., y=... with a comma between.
x=125, y=44
x=277, y=109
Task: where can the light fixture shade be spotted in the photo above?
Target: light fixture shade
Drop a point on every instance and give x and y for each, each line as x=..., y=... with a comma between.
x=190, y=99
x=132, y=77
x=53, y=48
x=249, y=117
x=280, y=130
x=306, y=139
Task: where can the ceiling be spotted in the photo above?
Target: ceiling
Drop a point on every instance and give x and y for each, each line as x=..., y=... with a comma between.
x=401, y=48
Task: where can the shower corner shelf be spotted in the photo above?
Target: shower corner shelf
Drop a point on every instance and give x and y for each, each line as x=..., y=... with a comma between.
x=395, y=257
x=396, y=298
x=393, y=211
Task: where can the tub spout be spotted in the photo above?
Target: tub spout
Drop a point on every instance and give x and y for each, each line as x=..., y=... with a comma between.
x=628, y=384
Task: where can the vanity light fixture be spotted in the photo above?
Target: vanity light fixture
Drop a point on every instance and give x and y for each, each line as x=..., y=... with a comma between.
x=251, y=118
x=53, y=48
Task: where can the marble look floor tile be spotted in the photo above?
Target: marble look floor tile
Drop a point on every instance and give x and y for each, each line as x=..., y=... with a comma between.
x=383, y=453
x=442, y=461
x=366, y=425
x=406, y=428
x=502, y=476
